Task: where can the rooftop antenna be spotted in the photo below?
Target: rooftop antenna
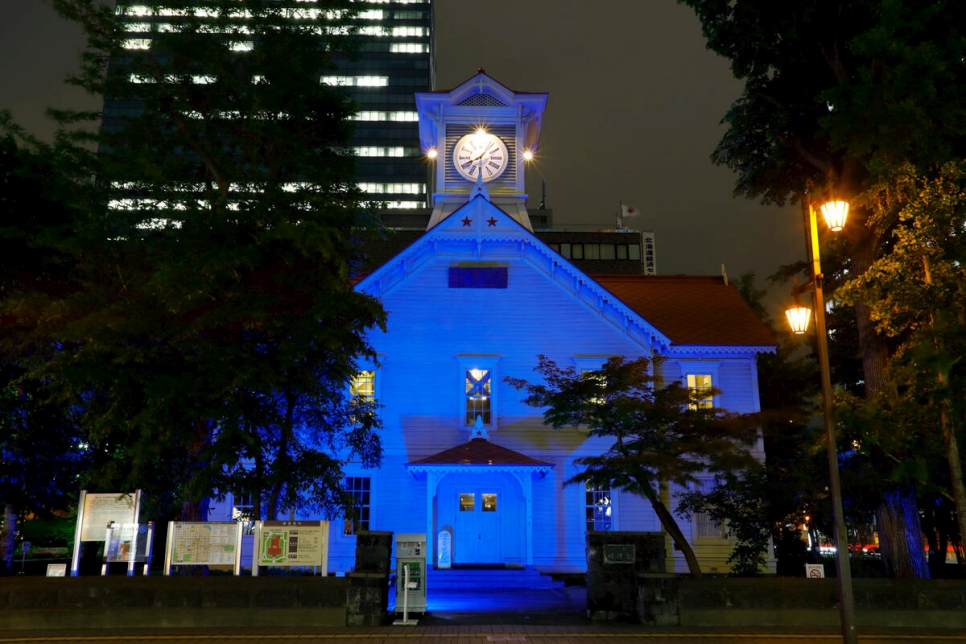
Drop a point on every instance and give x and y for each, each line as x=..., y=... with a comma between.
x=543, y=196
x=724, y=274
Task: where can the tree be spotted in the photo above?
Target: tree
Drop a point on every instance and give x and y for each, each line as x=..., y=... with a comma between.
x=916, y=290
x=661, y=433
x=213, y=319
x=788, y=489
x=42, y=454
x=836, y=95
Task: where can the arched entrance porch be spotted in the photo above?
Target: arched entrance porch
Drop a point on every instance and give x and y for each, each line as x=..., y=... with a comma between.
x=482, y=494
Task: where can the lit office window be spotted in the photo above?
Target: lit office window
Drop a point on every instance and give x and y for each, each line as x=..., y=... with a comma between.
x=378, y=151
x=355, y=81
x=408, y=48
x=372, y=115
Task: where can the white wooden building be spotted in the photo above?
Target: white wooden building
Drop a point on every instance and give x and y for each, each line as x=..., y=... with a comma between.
x=476, y=299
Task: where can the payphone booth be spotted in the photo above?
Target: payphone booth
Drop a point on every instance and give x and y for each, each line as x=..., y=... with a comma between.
x=411, y=565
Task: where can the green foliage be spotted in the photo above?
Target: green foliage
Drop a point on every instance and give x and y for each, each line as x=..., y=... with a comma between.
x=840, y=91
x=837, y=97
x=915, y=296
x=210, y=318
x=741, y=506
x=658, y=432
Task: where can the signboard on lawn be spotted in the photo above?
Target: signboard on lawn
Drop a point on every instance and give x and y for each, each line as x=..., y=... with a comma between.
x=291, y=543
x=206, y=543
x=95, y=512
x=101, y=509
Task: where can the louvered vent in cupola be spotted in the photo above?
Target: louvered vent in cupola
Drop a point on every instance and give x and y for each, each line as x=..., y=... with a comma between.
x=482, y=100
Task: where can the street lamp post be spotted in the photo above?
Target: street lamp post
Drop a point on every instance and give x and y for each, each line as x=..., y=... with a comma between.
x=835, y=213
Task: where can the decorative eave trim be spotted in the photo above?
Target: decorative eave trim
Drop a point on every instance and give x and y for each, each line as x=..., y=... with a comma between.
x=415, y=468
x=713, y=351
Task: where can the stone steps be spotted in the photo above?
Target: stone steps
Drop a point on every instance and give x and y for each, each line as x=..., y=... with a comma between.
x=491, y=578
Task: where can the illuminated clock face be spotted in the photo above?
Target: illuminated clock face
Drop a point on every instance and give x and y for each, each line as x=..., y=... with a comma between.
x=480, y=154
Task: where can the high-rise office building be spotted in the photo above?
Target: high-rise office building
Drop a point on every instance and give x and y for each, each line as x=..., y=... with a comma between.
x=394, y=61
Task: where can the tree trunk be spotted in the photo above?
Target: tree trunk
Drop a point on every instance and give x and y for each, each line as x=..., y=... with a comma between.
x=8, y=538
x=900, y=534
x=195, y=510
x=955, y=473
x=671, y=525
x=949, y=434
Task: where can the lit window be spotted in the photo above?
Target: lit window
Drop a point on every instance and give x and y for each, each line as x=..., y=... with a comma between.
x=467, y=501
x=408, y=48
x=478, y=396
x=700, y=384
x=242, y=507
x=355, y=81
x=598, y=507
x=379, y=151
x=407, y=32
x=363, y=385
x=393, y=188
x=400, y=116
x=358, y=490
x=597, y=377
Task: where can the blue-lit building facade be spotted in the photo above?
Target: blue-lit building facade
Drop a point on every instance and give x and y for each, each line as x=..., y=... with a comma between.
x=477, y=298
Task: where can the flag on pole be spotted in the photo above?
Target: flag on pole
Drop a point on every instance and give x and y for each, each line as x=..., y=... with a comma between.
x=629, y=211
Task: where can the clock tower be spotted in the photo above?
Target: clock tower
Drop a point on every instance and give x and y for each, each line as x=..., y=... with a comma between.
x=480, y=135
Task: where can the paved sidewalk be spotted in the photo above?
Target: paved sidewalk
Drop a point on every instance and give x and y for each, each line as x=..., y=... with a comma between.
x=478, y=634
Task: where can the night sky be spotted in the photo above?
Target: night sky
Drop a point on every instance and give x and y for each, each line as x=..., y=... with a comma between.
x=634, y=111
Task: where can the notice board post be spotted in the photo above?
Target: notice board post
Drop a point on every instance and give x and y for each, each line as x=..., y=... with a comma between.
x=95, y=512
x=291, y=543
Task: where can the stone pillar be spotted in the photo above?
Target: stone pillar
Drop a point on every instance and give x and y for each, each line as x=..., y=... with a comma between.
x=615, y=561
x=367, y=601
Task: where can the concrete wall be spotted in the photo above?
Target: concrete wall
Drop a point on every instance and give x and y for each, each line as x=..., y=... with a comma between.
x=814, y=602
x=121, y=602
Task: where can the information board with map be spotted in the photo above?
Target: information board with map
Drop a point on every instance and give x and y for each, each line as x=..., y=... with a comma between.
x=129, y=542
x=209, y=543
x=292, y=543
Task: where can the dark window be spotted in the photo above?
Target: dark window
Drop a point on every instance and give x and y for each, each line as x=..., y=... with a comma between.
x=477, y=277
x=357, y=487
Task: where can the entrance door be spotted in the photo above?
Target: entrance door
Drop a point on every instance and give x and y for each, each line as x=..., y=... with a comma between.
x=478, y=532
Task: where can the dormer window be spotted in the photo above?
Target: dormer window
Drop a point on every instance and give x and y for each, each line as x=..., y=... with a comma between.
x=478, y=396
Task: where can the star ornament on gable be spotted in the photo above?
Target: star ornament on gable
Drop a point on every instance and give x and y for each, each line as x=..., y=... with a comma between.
x=491, y=221
x=467, y=221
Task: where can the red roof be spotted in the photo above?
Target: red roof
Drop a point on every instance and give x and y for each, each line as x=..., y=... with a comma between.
x=691, y=309
x=479, y=451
